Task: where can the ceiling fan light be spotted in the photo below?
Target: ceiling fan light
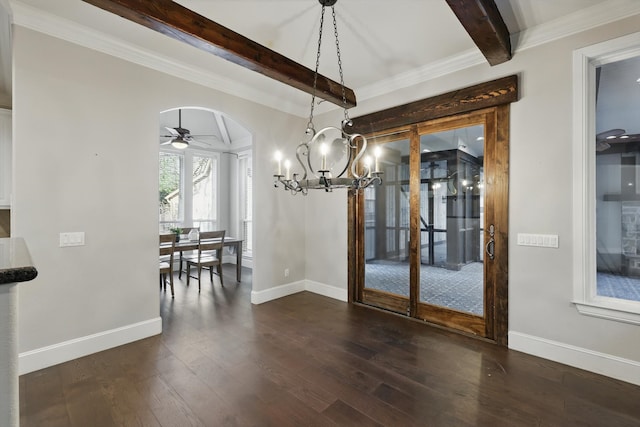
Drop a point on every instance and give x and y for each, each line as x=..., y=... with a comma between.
x=179, y=143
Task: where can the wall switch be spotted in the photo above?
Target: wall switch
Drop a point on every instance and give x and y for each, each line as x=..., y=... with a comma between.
x=286, y=272
x=72, y=239
x=539, y=240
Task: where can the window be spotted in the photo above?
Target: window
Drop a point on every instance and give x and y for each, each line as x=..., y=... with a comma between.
x=606, y=177
x=171, y=205
x=188, y=202
x=204, y=193
x=245, y=175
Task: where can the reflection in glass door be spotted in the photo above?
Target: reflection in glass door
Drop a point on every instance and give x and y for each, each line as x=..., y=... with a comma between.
x=386, y=230
x=451, y=218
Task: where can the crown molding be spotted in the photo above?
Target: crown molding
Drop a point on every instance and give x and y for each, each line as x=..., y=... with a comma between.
x=64, y=29
x=577, y=22
x=55, y=26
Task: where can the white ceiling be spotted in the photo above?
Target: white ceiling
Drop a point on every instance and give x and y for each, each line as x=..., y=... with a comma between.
x=384, y=45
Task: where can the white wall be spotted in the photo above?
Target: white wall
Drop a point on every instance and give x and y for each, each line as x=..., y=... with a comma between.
x=85, y=155
x=542, y=319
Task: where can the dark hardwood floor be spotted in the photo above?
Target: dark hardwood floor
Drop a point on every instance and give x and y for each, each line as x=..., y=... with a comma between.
x=307, y=360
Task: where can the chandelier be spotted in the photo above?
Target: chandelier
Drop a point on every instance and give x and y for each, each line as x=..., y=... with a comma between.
x=327, y=159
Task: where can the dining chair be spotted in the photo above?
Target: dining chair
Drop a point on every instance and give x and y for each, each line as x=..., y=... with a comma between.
x=167, y=248
x=185, y=231
x=209, y=255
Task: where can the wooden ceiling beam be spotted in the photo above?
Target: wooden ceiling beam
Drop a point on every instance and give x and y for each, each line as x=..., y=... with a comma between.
x=483, y=22
x=176, y=21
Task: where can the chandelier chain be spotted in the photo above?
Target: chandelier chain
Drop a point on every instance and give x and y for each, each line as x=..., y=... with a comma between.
x=315, y=75
x=344, y=95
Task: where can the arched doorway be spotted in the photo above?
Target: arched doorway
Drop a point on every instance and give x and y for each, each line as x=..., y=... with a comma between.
x=205, y=177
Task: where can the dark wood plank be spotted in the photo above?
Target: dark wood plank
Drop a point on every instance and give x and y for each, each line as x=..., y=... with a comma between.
x=176, y=21
x=483, y=22
x=43, y=385
x=345, y=415
x=310, y=360
x=484, y=95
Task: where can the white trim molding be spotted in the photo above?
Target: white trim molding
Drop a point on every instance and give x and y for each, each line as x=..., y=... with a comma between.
x=582, y=20
x=45, y=357
x=585, y=295
x=600, y=363
x=327, y=290
x=259, y=297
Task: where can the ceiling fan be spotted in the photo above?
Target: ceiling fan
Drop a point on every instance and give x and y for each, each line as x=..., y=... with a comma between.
x=180, y=137
x=614, y=136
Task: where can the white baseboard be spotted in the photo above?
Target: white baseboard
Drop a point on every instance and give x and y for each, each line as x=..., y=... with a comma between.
x=326, y=290
x=259, y=297
x=44, y=357
x=601, y=363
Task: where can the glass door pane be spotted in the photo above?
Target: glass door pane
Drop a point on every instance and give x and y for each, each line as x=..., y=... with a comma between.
x=386, y=225
x=451, y=219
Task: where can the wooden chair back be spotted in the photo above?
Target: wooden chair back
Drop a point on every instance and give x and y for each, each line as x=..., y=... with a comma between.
x=211, y=241
x=167, y=245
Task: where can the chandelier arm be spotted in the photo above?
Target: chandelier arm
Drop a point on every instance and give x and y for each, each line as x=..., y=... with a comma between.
x=352, y=144
x=303, y=146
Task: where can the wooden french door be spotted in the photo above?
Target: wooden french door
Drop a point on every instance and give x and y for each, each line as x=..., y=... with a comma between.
x=431, y=241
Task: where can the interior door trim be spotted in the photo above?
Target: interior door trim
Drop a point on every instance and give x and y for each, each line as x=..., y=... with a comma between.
x=493, y=93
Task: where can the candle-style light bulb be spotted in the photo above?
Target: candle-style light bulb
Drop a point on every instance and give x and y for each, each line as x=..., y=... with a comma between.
x=324, y=150
x=278, y=157
x=287, y=169
x=377, y=152
x=367, y=165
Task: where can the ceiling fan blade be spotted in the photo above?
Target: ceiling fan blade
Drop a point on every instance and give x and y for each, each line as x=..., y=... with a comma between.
x=167, y=142
x=602, y=146
x=172, y=131
x=200, y=143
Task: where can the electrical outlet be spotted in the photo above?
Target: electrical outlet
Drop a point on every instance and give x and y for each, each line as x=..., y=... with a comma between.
x=72, y=239
x=286, y=272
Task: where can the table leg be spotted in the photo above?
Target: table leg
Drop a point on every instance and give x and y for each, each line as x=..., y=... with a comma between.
x=239, y=260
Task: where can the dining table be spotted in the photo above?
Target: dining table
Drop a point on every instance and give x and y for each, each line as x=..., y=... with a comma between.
x=185, y=245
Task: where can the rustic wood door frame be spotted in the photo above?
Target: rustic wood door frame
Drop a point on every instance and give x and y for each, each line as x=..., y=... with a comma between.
x=493, y=99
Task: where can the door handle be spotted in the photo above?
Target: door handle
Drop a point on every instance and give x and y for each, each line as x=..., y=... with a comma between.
x=490, y=247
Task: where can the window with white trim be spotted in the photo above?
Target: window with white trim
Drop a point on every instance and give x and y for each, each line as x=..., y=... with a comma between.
x=606, y=147
x=245, y=178
x=188, y=189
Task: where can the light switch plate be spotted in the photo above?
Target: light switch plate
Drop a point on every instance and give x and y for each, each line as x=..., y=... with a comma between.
x=75, y=238
x=539, y=240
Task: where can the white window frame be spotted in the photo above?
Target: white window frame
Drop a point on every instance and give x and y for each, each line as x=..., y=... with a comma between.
x=585, y=297
x=187, y=188
x=243, y=216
